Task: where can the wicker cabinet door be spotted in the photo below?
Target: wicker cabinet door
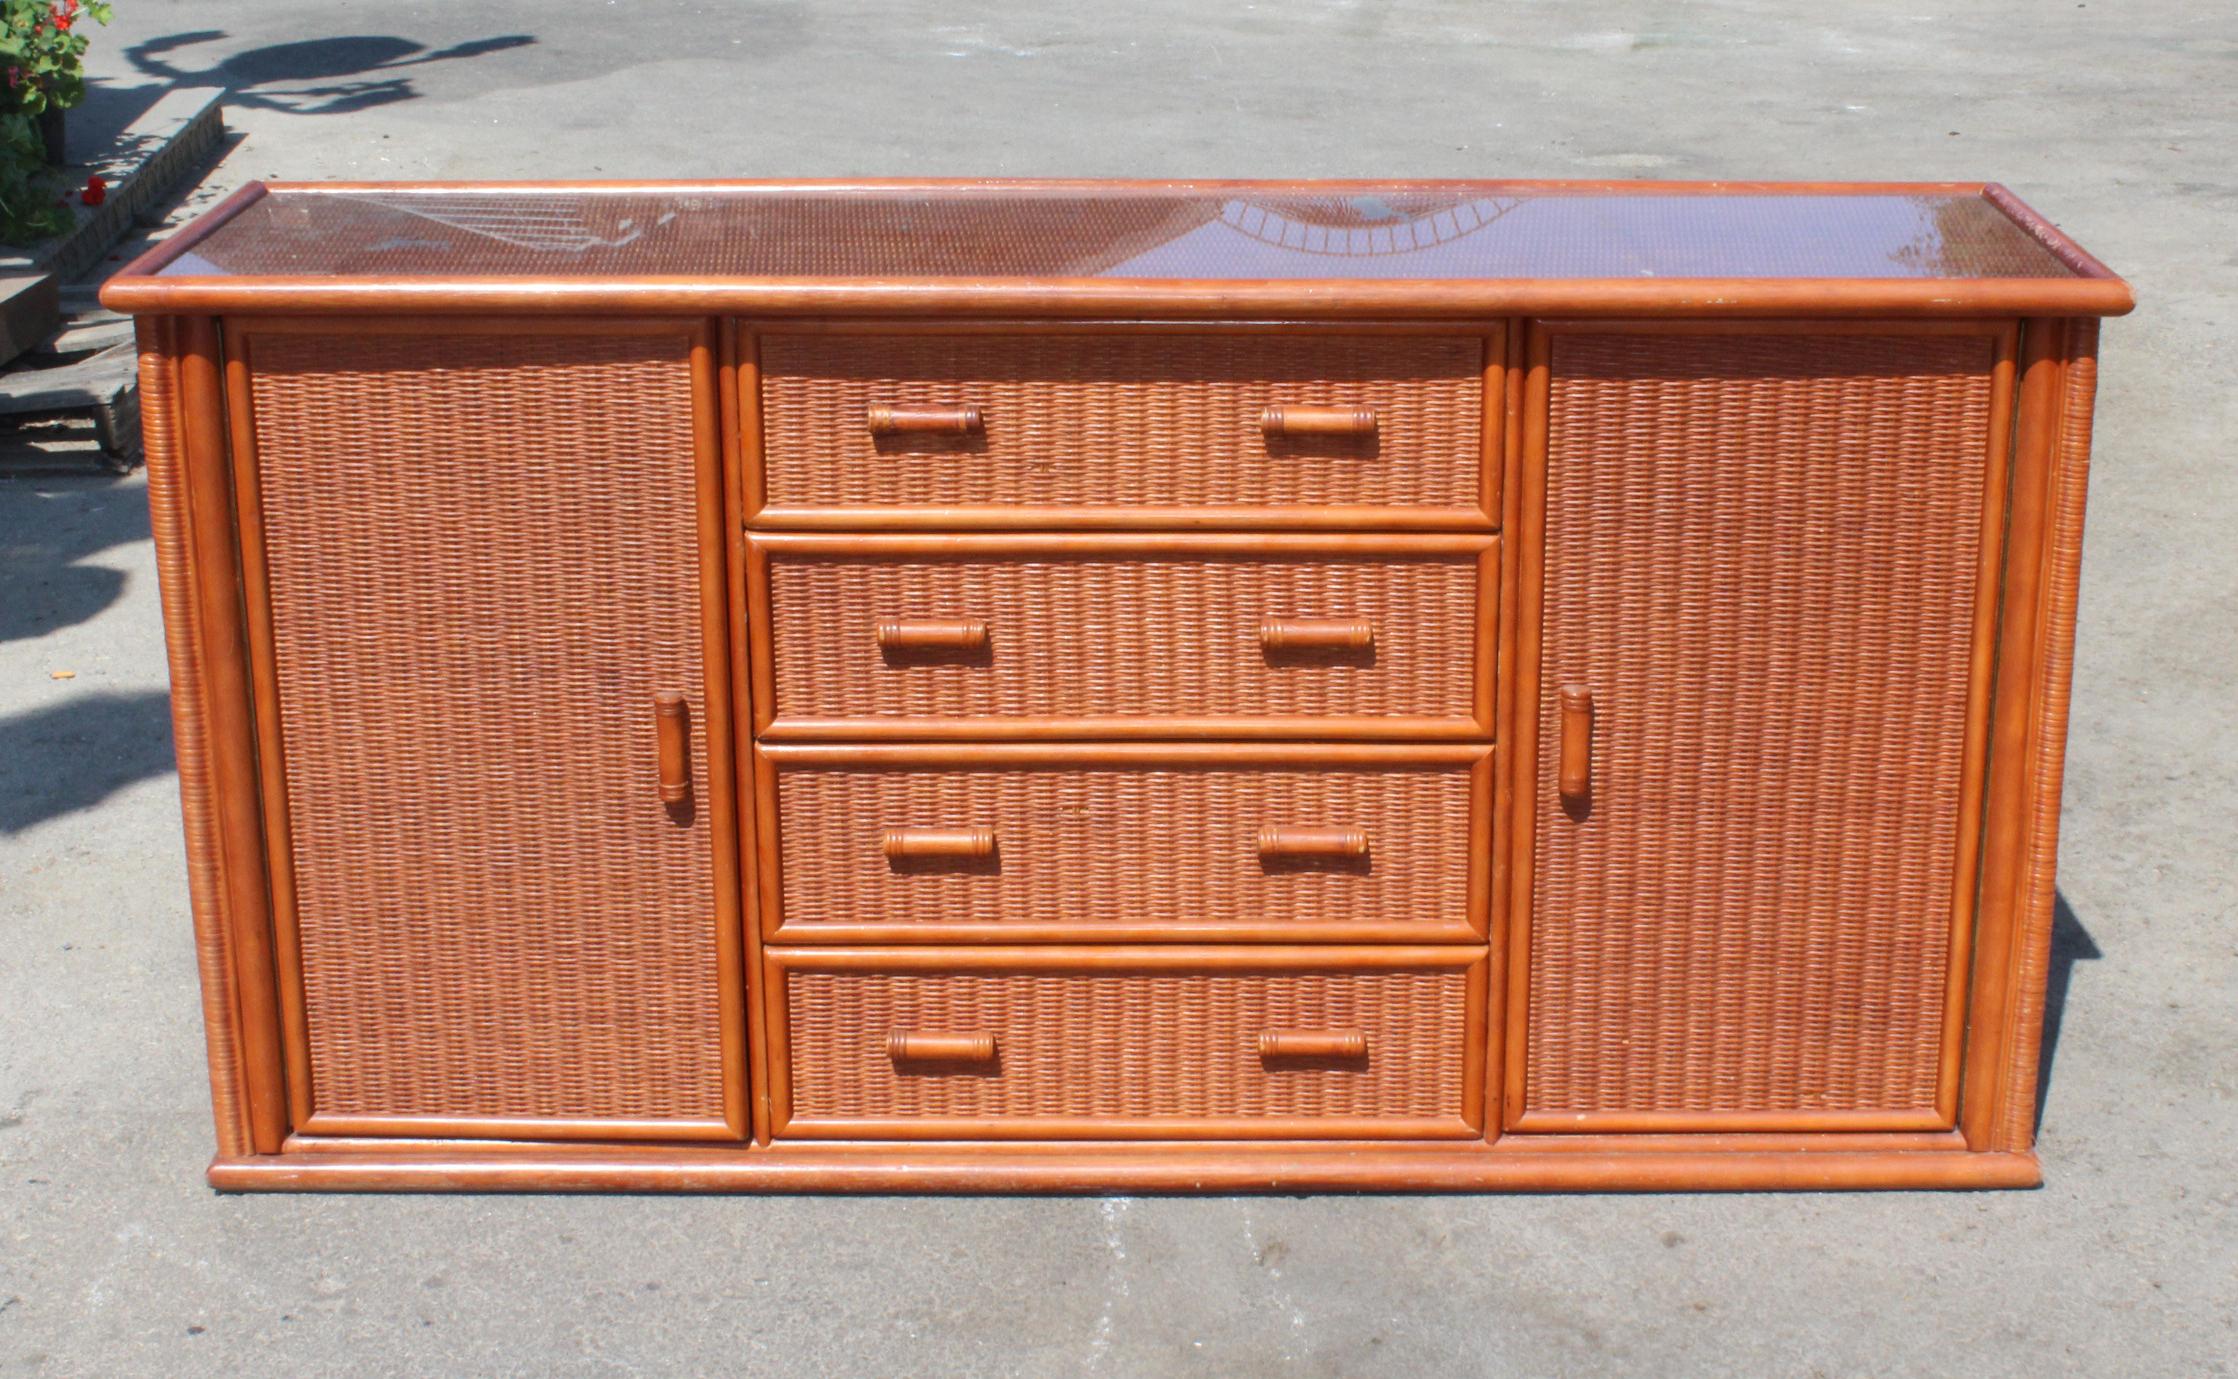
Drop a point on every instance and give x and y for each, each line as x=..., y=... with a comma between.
x=1762, y=625
x=495, y=834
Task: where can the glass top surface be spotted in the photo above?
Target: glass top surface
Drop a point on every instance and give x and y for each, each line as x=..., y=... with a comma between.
x=1353, y=231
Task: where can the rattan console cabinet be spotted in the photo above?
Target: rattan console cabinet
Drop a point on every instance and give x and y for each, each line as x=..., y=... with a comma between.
x=998, y=685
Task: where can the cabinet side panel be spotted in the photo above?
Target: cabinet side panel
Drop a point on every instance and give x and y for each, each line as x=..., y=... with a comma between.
x=2054, y=674
x=183, y=647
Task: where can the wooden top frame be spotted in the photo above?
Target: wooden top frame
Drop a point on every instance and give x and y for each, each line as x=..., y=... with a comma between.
x=2028, y=267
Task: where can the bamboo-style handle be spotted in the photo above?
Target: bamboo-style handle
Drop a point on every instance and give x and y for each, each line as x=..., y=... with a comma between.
x=1575, y=778
x=1316, y=634
x=936, y=844
x=923, y=635
x=890, y=419
x=672, y=737
x=1276, y=842
x=1303, y=419
x=905, y=1047
x=1313, y=1043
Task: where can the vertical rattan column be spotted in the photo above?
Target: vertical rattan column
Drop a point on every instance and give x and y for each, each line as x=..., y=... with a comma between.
x=183, y=648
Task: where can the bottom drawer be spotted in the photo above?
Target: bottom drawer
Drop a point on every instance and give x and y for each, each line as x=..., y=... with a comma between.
x=1105, y=1043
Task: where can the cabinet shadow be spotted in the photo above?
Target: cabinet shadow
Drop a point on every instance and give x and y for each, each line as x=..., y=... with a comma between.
x=2071, y=943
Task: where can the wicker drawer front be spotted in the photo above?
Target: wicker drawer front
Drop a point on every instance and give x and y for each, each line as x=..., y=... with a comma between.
x=1150, y=1042
x=1030, y=842
x=971, y=637
x=1126, y=428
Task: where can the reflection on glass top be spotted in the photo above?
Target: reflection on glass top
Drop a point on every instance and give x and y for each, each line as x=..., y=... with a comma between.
x=1070, y=231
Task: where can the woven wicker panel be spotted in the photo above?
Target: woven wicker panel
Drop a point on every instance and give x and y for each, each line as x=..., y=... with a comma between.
x=1142, y=419
x=484, y=563
x=1146, y=637
x=1760, y=557
x=1090, y=846
x=1123, y=1044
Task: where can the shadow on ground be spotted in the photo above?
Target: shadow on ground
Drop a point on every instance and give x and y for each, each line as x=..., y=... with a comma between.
x=325, y=76
x=100, y=133
x=96, y=125
x=75, y=754
x=2071, y=943
x=47, y=527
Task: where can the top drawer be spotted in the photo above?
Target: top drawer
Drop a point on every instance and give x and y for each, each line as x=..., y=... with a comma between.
x=1065, y=427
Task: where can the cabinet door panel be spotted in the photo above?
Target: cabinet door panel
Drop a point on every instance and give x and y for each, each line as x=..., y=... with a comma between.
x=1762, y=590
x=482, y=552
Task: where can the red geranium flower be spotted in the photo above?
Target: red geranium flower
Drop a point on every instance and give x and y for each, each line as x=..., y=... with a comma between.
x=96, y=190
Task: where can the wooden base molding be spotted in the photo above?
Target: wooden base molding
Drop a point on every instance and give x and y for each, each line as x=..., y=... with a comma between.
x=1070, y=1168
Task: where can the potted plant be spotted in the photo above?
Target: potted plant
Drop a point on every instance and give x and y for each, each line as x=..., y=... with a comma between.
x=42, y=61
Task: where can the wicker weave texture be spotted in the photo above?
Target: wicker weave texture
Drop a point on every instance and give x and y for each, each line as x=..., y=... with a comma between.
x=1142, y=637
x=1152, y=845
x=1761, y=558
x=1127, y=1044
x=484, y=562
x=1170, y=420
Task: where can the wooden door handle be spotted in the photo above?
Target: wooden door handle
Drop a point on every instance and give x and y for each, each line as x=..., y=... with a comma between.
x=1275, y=842
x=1305, y=419
x=1313, y=1043
x=1575, y=776
x=932, y=635
x=1316, y=634
x=893, y=419
x=672, y=740
x=905, y=1046
x=936, y=844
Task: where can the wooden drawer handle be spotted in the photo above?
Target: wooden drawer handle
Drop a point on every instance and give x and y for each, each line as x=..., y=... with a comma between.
x=933, y=844
x=1316, y=634
x=904, y=1047
x=887, y=419
x=1312, y=842
x=1313, y=1043
x=672, y=741
x=1575, y=779
x=924, y=635
x=1295, y=419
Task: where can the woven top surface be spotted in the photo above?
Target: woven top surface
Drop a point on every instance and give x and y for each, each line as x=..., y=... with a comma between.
x=1164, y=232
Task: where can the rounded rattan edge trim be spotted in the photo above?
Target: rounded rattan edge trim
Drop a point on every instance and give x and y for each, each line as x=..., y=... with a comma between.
x=1069, y=297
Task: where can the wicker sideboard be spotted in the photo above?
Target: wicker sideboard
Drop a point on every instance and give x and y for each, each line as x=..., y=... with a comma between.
x=1043, y=685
